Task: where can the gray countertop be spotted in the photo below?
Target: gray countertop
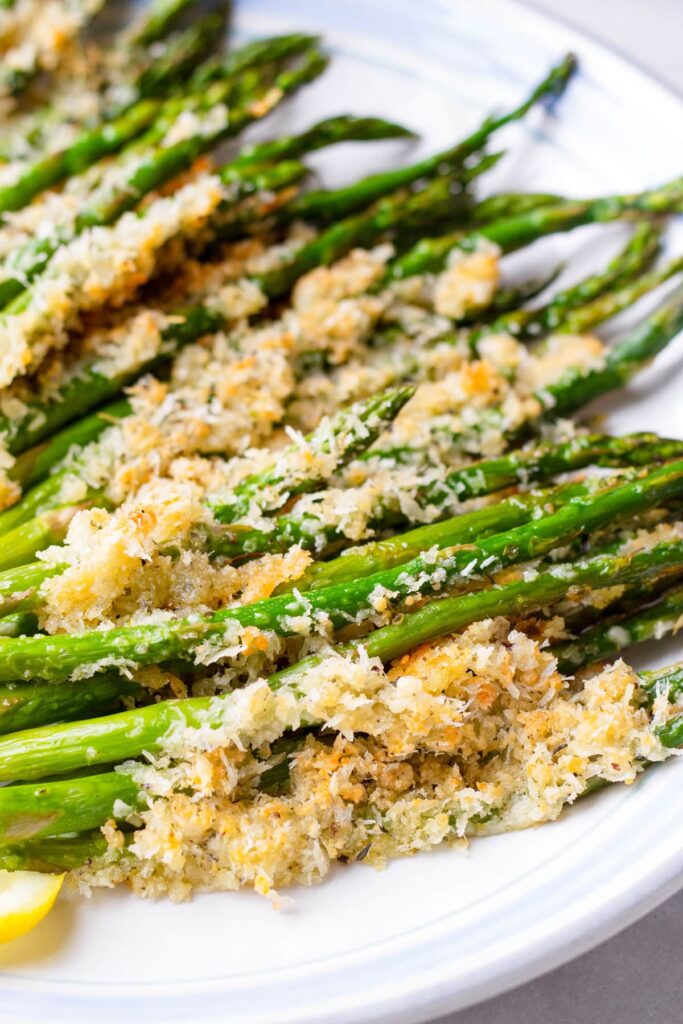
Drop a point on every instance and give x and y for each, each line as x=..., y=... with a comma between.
x=635, y=977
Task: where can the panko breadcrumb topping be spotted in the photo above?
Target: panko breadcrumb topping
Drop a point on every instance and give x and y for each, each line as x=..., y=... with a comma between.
x=473, y=734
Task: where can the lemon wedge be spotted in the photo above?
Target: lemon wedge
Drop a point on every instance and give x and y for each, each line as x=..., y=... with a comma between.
x=25, y=898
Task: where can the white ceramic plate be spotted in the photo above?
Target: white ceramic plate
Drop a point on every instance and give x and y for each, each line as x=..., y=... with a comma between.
x=437, y=932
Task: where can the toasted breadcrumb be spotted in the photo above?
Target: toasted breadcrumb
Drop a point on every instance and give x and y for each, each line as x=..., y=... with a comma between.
x=472, y=734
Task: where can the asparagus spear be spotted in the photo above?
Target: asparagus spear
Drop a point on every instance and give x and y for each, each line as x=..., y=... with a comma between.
x=430, y=254
x=59, y=807
x=36, y=463
x=607, y=638
x=19, y=624
x=466, y=528
x=58, y=657
x=161, y=72
x=40, y=420
x=90, y=146
x=20, y=587
x=28, y=705
x=158, y=165
x=537, y=463
x=305, y=530
x=326, y=207
x=249, y=170
x=639, y=252
x=577, y=388
x=257, y=53
x=111, y=739
x=54, y=854
x=21, y=546
x=604, y=307
x=542, y=461
x=399, y=211
x=348, y=433
x=343, y=437
x=179, y=57
x=157, y=21
x=91, y=796
x=328, y=132
x=667, y=680
x=574, y=389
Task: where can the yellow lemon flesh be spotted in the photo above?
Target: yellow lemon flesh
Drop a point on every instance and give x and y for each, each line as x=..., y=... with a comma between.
x=25, y=899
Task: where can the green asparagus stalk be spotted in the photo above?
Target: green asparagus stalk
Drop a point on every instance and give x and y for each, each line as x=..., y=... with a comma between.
x=58, y=657
x=94, y=795
x=159, y=73
x=347, y=434
x=19, y=624
x=163, y=163
x=91, y=388
x=670, y=681
x=608, y=638
x=330, y=245
x=638, y=254
x=89, y=147
x=111, y=739
x=326, y=207
x=157, y=21
x=22, y=545
x=329, y=132
x=430, y=254
x=36, y=463
x=604, y=307
x=537, y=463
x=62, y=807
x=28, y=705
x=76, y=397
x=53, y=855
x=576, y=388
x=179, y=57
x=469, y=527
x=399, y=211
x=543, y=461
x=259, y=52
x=19, y=587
